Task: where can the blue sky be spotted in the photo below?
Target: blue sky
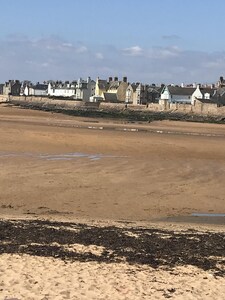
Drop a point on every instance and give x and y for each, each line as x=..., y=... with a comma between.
x=152, y=41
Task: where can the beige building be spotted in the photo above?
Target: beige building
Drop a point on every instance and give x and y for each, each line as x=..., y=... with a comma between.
x=112, y=90
x=131, y=93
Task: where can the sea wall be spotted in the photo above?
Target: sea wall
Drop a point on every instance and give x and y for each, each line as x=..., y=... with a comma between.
x=203, y=109
x=198, y=108
x=3, y=98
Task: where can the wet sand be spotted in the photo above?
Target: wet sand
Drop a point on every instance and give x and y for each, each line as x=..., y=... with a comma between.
x=49, y=167
x=126, y=191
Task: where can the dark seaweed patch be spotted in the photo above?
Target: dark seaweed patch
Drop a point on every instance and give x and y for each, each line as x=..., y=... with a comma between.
x=154, y=247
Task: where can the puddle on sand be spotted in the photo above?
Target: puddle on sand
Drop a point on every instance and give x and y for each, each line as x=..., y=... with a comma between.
x=197, y=218
x=207, y=215
x=65, y=156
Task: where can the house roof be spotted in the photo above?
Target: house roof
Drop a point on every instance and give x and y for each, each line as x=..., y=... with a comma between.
x=110, y=97
x=177, y=90
x=103, y=84
x=114, y=85
x=133, y=86
x=220, y=96
x=41, y=87
x=154, y=90
x=208, y=90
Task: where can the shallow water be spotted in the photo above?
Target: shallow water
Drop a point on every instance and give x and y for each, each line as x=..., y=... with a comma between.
x=207, y=215
x=63, y=156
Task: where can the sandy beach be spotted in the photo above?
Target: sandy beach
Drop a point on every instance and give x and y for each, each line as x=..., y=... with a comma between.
x=110, y=173
x=49, y=166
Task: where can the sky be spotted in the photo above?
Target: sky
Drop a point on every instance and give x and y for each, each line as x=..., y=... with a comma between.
x=148, y=41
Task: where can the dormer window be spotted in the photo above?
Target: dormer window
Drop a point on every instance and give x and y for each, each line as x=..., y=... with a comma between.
x=207, y=96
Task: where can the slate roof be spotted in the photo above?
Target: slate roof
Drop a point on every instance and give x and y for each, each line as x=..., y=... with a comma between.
x=110, y=97
x=155, y=90
x=220, y=96
x=41, y=87
x=177, y=90
x=103, y=84
x=114, y=85
x=134, y=86
x=208, y=90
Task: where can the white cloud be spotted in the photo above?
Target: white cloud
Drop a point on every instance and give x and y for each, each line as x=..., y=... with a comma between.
x=69, y=45
x=99, y=55
x=81, y=49
x=133, y=51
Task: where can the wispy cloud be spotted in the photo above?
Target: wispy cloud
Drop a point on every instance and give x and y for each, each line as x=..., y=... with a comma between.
x=56, y=58
x=171, y=37
x=164, y=52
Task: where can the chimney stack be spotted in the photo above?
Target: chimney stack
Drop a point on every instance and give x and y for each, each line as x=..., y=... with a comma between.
x=124, y=79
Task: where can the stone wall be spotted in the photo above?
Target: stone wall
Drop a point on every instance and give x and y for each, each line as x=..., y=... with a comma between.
x=116, y=106
x=62, y=103
x=199, y=108
x=3, y=98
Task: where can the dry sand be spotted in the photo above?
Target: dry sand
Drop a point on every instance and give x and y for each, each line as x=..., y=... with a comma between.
x=27, y=277
x=123, y=175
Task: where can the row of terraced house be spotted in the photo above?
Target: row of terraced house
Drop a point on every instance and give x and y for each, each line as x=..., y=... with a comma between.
x=118, y=91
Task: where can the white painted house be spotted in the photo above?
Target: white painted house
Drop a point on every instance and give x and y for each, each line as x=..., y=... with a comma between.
x=186, y=95
x=202, y=94
x=36, y=90
x=60, y=89
x=80, y=89
x=177, y=94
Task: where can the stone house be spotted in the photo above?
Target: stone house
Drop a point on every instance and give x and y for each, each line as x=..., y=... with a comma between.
x=85, y=89
x=101, y=87
x=12, y=87
x=119, y=88
x=221, y=82
x=138, y=93
x=113, y=89
x=220, y=96
x=131, y=94
x=1, y=88
x=153, y=94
